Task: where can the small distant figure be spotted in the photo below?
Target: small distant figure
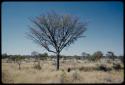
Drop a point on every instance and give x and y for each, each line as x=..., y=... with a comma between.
x=69, y=69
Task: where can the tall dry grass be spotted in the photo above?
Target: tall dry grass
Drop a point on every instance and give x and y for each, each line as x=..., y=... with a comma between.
x=81, y=72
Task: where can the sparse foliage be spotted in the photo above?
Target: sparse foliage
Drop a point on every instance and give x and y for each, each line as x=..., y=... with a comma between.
x=18, y=60
x=37, y=60
x=55, y=32
x=85, y=55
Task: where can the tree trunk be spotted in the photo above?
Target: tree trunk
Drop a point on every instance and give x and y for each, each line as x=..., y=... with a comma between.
x=19, y=66
x=58, y=55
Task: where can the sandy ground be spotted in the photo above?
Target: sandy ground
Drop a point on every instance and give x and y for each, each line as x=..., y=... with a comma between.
x=48, y=73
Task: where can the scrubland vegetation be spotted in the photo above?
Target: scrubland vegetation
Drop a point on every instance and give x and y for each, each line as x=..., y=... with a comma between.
x=53, y=32
x=73, y=69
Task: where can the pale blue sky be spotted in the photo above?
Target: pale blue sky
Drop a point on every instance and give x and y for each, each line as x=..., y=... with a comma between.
x=104, y=31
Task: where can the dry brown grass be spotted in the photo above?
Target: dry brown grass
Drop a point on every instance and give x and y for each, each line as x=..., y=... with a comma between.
x=48, y=73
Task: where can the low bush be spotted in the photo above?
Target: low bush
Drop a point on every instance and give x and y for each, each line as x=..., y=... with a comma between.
x=117, y=66
x=37, y=66
x=103, y=67
x=69, y=69
x=87, y=68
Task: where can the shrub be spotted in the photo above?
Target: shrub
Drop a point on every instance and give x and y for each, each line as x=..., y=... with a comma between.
x=37, y=66
x=117, y=66
x=103, y=67
x=122, y=59
x=96, y=56
x=87, y=68
x=91, y=58
x=69, y=69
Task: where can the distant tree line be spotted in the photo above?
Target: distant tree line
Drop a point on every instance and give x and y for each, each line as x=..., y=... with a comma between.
x=37, y=56
x=98, y=55
x=13, y=57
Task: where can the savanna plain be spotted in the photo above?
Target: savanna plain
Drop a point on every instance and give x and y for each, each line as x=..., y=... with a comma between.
x=71, y=71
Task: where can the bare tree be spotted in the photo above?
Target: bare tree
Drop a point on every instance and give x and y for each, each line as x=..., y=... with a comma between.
x=18, y=60
x=55, y=32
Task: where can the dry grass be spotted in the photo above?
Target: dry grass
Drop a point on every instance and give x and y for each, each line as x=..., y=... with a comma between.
x=48, y=73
